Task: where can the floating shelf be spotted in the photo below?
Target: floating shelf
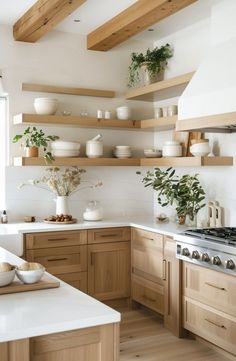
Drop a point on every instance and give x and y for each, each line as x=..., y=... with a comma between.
x=187, y=161
x=161, y=90
x=81, y=162
x=152, y=162
x=163, y=123
x=68, y=90
x=82, y=122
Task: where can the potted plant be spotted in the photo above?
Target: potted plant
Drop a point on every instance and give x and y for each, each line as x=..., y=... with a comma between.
x=151, y=64
x=185, y=192
x=33, y=139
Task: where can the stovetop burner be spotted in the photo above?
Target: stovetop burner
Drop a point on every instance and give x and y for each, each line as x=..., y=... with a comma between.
x=225, y=235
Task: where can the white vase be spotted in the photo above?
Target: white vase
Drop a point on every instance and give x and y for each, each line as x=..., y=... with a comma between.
x=62, y=205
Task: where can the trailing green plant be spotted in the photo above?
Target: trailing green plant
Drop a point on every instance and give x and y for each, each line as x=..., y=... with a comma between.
x=32, y=137
x=155, y=60
x=185, y=192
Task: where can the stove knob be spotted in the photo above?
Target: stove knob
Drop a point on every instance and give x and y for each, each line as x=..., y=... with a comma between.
x=185, y=252
x=216, y=260
x=205, y=257
x=195, y=255
x=229, y=264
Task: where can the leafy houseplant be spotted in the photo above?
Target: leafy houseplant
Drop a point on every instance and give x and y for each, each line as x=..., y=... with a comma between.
x=186, y=191
x=153, y=62
x=34, y=139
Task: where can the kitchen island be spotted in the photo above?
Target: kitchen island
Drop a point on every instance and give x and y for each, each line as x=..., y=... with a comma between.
x=57, y=324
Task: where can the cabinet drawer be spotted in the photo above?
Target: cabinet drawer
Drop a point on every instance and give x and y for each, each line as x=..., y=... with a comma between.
x=148, y=293
x=109, y=235
x=55, y=239
x=147, y=250
x=77, y=280
x=215, y=326
x=60, y=260
x=210, y=287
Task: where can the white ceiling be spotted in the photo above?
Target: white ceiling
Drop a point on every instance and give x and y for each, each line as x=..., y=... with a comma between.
x=94, y=13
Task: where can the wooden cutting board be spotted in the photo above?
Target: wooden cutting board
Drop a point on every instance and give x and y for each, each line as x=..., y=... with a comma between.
x=17, y=286
x=183, y=138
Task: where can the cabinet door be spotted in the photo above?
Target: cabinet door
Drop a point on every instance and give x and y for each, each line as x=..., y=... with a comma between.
x=172, y=287
x=109, y=270
x=147, y=255
x=213, y=288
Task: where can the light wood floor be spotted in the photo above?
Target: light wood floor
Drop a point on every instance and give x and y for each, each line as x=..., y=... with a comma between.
x=144, y=338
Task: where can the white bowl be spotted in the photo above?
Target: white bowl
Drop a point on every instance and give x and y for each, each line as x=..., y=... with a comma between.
x=65, y=153
x=122, y=147
x=31, y=276
x=45, y=106
x=172, y=150
x=199, y=154
x=7, y=277
x=201, y=147
x=152, y=153
x=64, y=145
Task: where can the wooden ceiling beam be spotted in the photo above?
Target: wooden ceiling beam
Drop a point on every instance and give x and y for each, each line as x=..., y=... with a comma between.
x=136, y=18
x=42, y=17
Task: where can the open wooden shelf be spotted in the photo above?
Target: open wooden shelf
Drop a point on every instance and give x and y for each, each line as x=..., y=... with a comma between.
x=163, y=123
x=81, y=162
x=68, y=90
x=161, y=90
x=187, y=161
x=152, y=162
x=82, y=122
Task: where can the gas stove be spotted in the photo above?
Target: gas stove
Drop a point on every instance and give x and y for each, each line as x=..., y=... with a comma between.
x=213, y=248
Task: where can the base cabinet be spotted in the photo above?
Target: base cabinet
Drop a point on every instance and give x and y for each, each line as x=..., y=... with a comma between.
x=99, y=343
x=109, y=270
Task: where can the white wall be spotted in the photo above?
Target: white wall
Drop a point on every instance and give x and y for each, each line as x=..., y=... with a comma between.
x=190, y=46
x=62, y=59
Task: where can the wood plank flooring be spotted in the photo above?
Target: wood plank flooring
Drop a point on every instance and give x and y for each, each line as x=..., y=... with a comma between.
x=144, y=338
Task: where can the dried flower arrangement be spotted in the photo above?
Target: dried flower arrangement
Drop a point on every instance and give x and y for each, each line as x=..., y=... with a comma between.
x=62, y=183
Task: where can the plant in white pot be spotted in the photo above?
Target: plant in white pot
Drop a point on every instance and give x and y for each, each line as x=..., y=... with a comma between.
x=185, y=192
x=62, y=183
x=33, y=139
x=149, y=65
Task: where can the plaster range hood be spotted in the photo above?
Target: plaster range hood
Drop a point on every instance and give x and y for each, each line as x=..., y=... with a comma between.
x=208, y=103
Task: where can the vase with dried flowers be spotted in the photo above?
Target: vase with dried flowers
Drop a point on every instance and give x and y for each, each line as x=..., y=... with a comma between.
x=62, y=183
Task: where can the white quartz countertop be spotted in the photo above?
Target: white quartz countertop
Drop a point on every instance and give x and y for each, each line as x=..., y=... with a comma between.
x=147, y=223
x=35, y=313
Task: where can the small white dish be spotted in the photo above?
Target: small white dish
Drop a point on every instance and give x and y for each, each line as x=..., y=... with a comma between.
x=45, y=106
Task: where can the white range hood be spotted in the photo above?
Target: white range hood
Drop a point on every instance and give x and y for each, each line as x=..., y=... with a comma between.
x=209, y=100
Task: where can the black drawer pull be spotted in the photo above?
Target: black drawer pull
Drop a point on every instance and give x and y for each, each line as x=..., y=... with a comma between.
x=57, y=239
x=109, y=235
x=57, y=259
x=215, y=324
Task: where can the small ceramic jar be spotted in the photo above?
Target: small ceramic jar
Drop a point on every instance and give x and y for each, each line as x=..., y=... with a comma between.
x=172, y=110
x=93, y=212
x=158, y=113
x=172, y=149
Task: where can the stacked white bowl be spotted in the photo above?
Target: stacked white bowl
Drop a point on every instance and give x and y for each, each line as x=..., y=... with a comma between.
x=200, y=149
x=61, y=148
x=123, y=112
x=45, y=106
x=122, y=151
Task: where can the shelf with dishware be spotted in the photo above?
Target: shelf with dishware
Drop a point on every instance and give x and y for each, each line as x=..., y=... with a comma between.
x=42, y=88
x=162, y=123
x=153, y=162
x=167, y=88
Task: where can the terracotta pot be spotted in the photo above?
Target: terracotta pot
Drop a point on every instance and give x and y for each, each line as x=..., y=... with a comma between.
x=32, y=152
x=181, y=219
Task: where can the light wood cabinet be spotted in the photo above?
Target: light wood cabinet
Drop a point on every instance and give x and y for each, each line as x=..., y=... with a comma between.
x=63, y=254
x=148, y=270
x=106, y=235
x=210, y=287
x=109, y=270
x=100, y=343
x=211, y=324
x=172, y=288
